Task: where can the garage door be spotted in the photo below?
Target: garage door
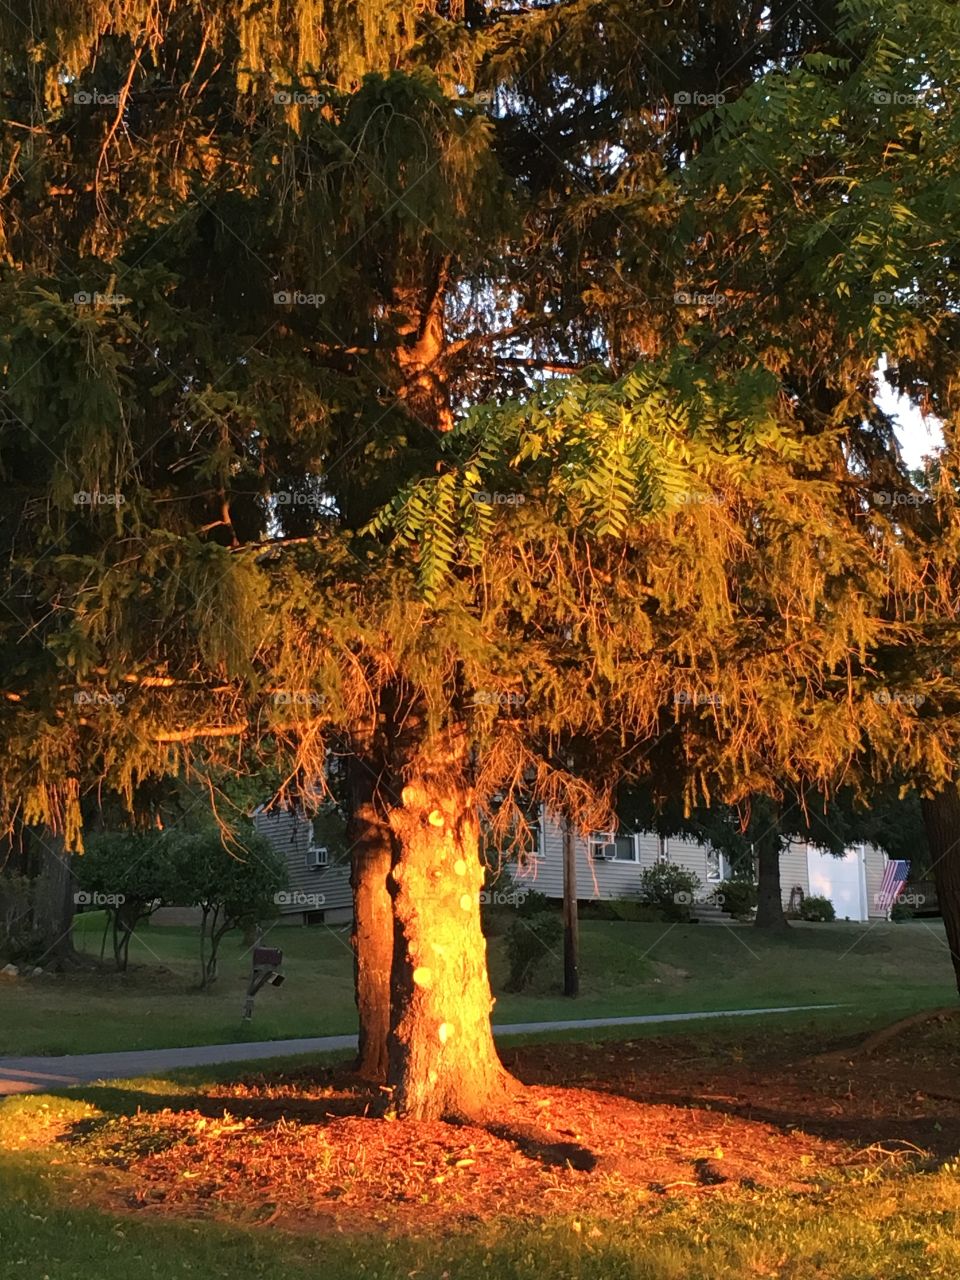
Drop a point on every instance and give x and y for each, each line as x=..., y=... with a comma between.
x=842, y=880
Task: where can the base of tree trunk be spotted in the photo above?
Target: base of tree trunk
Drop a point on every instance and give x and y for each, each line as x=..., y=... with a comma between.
x=368, y=834
x=443, y=1063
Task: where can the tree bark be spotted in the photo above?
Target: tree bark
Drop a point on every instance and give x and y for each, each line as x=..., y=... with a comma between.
x=769, y=897
x=371, y=846
x=941, y=820
x=53, y=898
x=571, y=927
x=442, y=1059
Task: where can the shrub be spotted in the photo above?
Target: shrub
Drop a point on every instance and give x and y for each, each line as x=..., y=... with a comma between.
x=816, y=908
x=901, y=911
x=670, y=889
x=130, y=873
x=530, y=940
x=739, y=897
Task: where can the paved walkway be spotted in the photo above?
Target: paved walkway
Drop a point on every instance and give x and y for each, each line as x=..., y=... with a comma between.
x=26, y=1075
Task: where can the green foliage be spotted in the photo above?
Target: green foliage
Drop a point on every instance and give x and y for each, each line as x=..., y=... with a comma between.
x=670, y=889
x=530, y=941
x=901, y=911
x=128, y=874
x=232, y=875
x=739, y=897
x=816, y=908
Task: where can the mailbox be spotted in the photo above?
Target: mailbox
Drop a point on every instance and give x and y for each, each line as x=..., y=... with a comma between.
x=266, y=968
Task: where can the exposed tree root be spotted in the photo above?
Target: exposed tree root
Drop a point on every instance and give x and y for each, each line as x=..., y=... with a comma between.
x=877, y=1039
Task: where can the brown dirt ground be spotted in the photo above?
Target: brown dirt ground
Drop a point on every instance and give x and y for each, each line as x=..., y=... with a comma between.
x=600, y=1130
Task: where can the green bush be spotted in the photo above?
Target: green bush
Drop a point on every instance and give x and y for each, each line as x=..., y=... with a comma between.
x=739, y=897
x=669, y=889
x=530, y=939
x=901, y=911
x=816, y=908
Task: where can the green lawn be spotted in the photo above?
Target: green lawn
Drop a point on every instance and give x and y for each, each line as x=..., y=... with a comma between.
x=903, y=1228
x=626, y=969
x=860, y=1225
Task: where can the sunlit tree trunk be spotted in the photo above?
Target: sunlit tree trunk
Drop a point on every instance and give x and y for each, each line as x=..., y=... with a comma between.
x=442, y=1058
x=941, y=820
x=371, y=853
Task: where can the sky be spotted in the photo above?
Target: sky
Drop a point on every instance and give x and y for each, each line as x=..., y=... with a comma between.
x=918, y=436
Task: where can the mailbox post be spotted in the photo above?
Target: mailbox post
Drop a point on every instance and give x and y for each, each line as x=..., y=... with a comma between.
x=266, y=968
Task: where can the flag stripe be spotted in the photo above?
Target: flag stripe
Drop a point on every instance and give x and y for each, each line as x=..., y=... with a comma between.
x=894, y=881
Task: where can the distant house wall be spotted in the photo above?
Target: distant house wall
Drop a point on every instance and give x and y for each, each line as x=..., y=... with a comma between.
x=290, y=834
x=601, y=879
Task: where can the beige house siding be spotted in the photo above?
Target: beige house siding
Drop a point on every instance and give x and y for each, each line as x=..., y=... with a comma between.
x=597, y=878
x=289, y=833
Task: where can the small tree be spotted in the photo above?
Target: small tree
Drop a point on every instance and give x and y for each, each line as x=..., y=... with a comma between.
x=129, y=874
x=233, y=878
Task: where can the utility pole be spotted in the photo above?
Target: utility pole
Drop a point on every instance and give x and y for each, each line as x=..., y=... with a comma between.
x=571, y=928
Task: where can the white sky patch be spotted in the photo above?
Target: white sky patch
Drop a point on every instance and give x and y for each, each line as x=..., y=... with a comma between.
x=919, y=436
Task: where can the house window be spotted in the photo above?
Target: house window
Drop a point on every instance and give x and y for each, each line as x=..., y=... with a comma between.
x=613, y=846
x=662, y=854
x=317, y=856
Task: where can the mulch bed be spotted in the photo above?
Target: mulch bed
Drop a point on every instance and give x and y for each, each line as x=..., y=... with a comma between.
x=599, y=1131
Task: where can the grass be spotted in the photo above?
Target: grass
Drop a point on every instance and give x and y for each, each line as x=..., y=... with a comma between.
x=906, y=1229
x=886, y=1219
x=626, y=969
x=857, y=1223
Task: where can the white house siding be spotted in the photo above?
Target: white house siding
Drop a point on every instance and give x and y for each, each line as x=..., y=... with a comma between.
x=289, y=833
x=793, y=870
x=599, y=879
x=875, y=862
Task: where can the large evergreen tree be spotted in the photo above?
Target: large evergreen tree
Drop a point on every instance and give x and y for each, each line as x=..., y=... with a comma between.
x=259, y=262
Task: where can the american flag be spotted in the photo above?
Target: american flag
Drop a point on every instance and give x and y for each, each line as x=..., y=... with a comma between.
x=894, y=879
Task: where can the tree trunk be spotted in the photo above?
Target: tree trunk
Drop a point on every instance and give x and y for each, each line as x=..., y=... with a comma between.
x=769, y=898
x=941, y=820
x=442, y=1058
x=571, y=927
x=53, y=899
x=371, y=845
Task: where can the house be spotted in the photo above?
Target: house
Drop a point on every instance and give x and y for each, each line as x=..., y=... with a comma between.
x=609, y=865
x=318, y=888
